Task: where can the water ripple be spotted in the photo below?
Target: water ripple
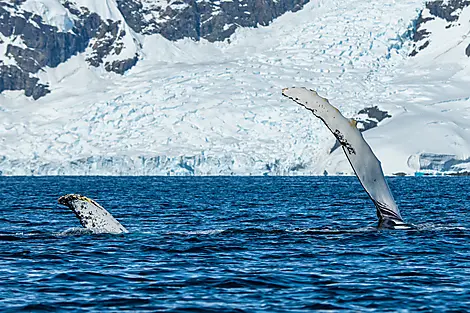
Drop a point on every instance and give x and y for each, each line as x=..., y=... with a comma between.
x=218, y=244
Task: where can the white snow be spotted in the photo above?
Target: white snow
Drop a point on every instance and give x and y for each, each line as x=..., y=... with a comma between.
x=216, y=108
x=4, y=42
x=106, y=9
x=52, y=13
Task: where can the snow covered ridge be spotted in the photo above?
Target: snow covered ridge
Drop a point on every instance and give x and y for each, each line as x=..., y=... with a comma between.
x=443, y=21
x=29, y=45
x=35, y=34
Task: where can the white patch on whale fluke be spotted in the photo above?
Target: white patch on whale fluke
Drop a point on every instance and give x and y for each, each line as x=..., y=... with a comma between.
x=363, y=161
x=92, y=215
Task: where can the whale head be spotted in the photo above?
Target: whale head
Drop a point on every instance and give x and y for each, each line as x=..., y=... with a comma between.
x=68, y=200
x=92, y=215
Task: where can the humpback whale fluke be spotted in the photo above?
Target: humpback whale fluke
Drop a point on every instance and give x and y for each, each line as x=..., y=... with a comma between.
x=92, y=215
x=363, y=161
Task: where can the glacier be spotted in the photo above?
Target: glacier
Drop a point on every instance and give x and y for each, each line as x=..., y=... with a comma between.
x=203, y=108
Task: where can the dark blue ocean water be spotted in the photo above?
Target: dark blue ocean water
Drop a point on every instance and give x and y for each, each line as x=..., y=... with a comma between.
x=219, y=244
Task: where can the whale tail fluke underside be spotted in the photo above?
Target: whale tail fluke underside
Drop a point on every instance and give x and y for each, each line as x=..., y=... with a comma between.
x=365, y=164
x=92, y=215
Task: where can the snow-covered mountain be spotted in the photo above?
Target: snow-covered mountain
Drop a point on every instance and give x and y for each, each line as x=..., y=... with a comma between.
x=117, y=95
x=35, y=34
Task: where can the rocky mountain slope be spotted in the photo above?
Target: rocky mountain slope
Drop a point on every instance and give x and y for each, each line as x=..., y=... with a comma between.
x=198, y=106
x=442, y=25
x=35, y=34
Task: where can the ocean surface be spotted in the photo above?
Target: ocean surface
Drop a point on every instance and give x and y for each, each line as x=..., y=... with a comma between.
x=234, y=244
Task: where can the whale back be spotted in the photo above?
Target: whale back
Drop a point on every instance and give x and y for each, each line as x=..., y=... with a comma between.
x=92, y=215
x=361, y=157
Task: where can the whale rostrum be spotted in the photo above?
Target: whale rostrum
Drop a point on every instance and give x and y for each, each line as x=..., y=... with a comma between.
x=365, y=164
x=92, y=215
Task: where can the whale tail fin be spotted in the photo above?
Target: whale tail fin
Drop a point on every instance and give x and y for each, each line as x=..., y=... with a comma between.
x=363, y=161
x=92, y=215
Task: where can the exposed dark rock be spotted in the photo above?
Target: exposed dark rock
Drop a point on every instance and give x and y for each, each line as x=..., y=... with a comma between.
x=106, y=40
x=401, y=174
x=446, y=10
x=121, y=66
x=132, y=11
x=467, y=51
x=375, y=113
x=181, y=23
x=13, y=78
x=45, y=45
x=424, y=45
x=210, y=20
x=421, y=33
